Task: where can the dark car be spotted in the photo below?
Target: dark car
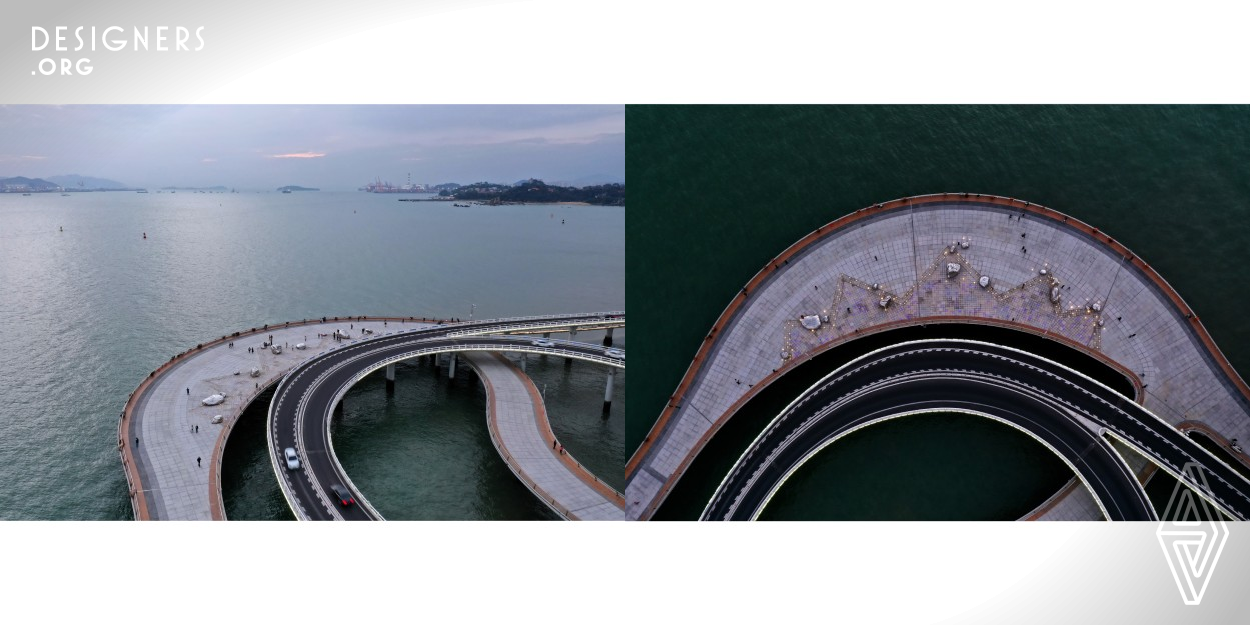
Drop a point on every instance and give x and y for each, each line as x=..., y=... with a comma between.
x=345, y=498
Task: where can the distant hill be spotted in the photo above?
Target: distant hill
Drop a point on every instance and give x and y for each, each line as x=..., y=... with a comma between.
x=70, y=181
x=591, y=181
x=216, y=188
x=295, y=188
x=536, y=191
x=22, y=183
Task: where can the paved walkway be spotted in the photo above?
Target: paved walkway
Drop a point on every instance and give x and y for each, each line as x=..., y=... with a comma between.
x=166, y=481
x=1109, y=304
x=519, y=429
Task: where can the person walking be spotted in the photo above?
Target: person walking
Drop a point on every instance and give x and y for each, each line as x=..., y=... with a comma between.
x=553, y=443
x=197, y=429
x=188, y=390
x=136, y=441
x=197, y=461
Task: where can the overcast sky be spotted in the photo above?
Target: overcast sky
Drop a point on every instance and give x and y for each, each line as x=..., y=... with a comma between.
x=330, y=147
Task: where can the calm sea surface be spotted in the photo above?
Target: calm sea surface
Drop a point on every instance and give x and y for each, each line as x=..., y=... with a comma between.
x=86, y=313
x=723, y=189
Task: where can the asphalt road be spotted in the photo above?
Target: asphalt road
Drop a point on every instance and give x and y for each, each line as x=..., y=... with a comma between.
x=302, y=407
x=1054, y=404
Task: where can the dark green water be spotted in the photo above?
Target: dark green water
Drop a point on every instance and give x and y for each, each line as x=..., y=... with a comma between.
x=893, y=469
x=719, y=190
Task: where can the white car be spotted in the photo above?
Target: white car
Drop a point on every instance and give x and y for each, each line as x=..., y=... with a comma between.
x=292, y=460
x=614, y=353
x=542, y=343
x=213, y=400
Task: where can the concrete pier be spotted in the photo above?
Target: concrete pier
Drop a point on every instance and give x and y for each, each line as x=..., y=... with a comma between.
x=390, y=378
x=451, y=367
x=948, y=258
x=607, y=338
x=607, y=393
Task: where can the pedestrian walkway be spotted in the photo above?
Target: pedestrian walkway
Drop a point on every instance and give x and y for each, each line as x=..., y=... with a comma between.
x=158, y=440
x=946, y=258
x=517, y=419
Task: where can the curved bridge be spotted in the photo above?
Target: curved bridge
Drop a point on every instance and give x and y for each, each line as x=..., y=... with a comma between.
x=1061, y=408
x=950, y=258
x=304, y=403
x=171, y=446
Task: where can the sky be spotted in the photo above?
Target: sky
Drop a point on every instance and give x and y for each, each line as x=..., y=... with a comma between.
x=331, y=147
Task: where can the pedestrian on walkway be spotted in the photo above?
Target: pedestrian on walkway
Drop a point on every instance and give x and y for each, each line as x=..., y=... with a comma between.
x=136, y=441
x=197, y=461
x=197, y=429
x=553, y=443
x=188, y=390
x=561, y=450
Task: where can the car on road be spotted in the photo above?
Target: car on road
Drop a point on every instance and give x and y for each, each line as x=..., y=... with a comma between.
x=292, y=460
x=614, y=353
x=542, y=343
x=345, y=498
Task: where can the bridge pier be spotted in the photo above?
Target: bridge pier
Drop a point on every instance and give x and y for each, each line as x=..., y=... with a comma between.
x=451, y=367
x=607, y=393
x=607, y=338
x=572, y=335
x=390, y=378
x=524, y=359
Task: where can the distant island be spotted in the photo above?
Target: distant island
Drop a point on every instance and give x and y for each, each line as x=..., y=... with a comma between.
x=70, y=183
x=534, y=191
x=214, y=188
x=290, y=188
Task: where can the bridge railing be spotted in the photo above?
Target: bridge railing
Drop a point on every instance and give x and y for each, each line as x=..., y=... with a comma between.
x=540, y=325
x=615, y=313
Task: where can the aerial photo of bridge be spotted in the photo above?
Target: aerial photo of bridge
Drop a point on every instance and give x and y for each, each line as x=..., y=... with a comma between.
x=1140, y=387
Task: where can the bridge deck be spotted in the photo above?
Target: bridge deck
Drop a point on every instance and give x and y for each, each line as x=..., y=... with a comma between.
x=901, y=249
x=519, y=429
x=161, y=414
x=166, y=481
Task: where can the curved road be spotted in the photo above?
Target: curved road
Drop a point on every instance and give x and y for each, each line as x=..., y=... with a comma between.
x=1059, y=406
x=303, y=405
